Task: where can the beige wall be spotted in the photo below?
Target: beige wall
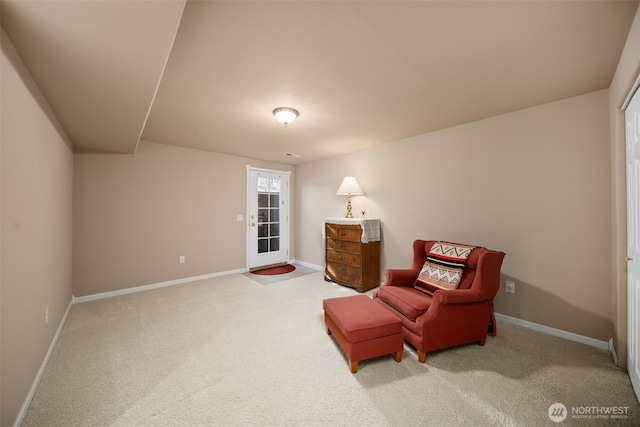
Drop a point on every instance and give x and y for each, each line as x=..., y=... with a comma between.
x=135, y=215
x=534, y=184
x=36, y=227
x=626, y=74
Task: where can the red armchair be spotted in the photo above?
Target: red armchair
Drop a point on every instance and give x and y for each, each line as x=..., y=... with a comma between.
x=450, y=317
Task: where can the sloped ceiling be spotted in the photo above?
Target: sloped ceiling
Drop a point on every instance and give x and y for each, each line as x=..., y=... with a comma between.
x=98, y=63
x=360, y=73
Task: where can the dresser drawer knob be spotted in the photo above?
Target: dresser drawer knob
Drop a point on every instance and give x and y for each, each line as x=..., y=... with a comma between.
x=342, y=233
x=341, y=245
x=342, y=269
x=340, y=257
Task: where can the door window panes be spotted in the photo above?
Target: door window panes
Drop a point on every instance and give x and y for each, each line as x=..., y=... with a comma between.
x=268, y=214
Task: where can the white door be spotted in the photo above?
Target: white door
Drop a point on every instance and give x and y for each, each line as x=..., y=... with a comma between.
x=267, y=217
x=632, y=116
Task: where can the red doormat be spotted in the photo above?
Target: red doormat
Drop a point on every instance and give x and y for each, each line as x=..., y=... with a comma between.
x=281, y=269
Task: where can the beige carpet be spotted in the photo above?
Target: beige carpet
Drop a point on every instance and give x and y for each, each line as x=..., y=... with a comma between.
x=231, y=352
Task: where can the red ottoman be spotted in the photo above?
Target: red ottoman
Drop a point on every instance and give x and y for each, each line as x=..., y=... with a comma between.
x=363, y=328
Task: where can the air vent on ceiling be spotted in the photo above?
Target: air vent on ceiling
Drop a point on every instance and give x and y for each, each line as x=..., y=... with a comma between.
x=297, y=156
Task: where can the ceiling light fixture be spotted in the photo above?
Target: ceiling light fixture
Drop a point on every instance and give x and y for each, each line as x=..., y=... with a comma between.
x=285, y=115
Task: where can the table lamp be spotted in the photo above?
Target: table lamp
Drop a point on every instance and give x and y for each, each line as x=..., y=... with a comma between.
x=349, y=187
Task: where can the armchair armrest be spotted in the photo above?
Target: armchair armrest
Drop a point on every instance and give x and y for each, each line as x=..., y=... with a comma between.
x=400, y=277
x=457, y=296
x=450, y=304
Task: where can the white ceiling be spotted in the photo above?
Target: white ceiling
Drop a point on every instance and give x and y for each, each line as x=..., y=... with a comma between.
x=360, y=73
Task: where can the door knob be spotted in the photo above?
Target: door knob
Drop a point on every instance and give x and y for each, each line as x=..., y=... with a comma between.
x=253, y=224
x=628, y=258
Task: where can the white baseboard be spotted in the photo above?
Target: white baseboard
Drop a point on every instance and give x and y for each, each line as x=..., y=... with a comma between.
x=309, y=265
x=36, y=380
x=612, y=350
x=604, y=345
x=78, y=300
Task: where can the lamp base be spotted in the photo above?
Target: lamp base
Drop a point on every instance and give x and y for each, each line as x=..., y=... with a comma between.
x=349, y=214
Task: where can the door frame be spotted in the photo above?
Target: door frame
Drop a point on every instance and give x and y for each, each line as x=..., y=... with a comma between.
x=632, y=172
x=285, y=243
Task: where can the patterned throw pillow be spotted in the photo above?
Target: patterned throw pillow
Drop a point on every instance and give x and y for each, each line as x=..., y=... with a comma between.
x=443, y=267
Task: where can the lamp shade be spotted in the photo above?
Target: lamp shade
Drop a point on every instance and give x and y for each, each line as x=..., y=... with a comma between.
x=349, y=186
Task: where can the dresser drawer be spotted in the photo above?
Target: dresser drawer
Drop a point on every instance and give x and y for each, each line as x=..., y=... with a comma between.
x=349, y=261
x=343, y=245
x=344, y=232
x=344, y=272
x=353, y=259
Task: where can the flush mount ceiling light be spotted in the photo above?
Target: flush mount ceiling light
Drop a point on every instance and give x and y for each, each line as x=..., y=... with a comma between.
x=285, y=115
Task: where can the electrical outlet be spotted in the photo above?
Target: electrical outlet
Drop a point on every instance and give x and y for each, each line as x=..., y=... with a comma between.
x=182, y=259
x=510, y=287
x=46, y=315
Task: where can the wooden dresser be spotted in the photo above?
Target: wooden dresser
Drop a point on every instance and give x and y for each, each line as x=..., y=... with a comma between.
x=352, y=252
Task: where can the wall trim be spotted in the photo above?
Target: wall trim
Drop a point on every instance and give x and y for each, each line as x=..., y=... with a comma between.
x=612, y=350
x=87, y=298
x=633, y=91
x=604, y=345
x=45, y=362
x=308, y=265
